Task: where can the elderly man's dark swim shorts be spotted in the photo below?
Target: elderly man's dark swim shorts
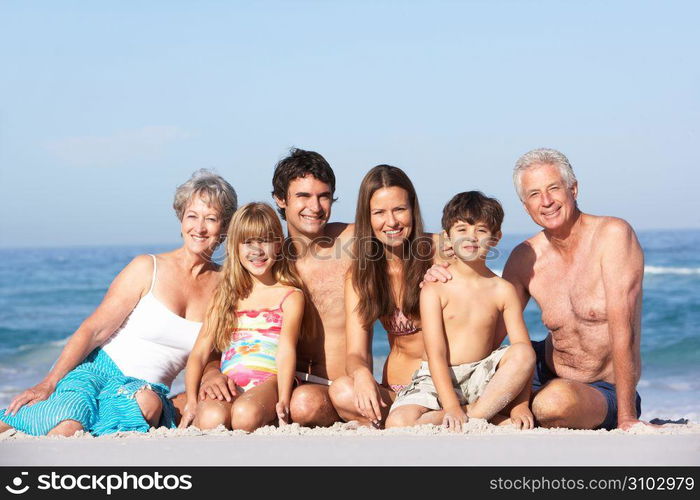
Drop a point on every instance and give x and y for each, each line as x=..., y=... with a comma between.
x=543, y=375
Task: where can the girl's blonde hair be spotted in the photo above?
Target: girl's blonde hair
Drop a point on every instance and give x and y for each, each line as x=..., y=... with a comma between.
x=254, y=221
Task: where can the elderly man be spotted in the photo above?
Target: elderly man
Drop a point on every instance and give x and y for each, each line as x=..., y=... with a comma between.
x=585, y=272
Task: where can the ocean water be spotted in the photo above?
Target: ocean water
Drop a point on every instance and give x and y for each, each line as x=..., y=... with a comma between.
x=46, y=293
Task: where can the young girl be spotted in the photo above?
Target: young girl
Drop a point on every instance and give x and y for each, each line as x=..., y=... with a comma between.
x=254, y=321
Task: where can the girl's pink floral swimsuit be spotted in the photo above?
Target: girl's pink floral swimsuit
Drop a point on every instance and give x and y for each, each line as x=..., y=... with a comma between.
x=251, y=357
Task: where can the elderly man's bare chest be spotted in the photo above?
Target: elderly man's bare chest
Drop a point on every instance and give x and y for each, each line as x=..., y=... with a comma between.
x=571, y=294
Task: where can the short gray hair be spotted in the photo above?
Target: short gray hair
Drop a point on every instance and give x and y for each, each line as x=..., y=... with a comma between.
x=538, y=157
x=214, y=189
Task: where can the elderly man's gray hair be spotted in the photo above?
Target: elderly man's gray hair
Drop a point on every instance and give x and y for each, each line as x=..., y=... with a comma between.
x=213, y=189
x=538, y=157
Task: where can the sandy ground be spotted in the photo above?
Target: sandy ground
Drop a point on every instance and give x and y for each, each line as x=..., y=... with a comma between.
x=343, y=444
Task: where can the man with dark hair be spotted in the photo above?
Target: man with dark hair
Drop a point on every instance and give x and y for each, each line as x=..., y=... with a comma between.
x=303, y=186
x=300, y=163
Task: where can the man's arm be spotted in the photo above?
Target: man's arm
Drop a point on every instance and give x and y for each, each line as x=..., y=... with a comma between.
x=622, y=265
x=342, y=231
x=517, y=270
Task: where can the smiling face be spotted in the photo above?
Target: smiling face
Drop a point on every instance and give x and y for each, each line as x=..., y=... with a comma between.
x=391, y=216
x=307, y=206
x=258, y=255
x=547, y=198
x=201, y=226
x=472, y=241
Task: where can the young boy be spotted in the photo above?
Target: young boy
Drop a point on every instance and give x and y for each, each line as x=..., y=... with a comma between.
x=463, y=376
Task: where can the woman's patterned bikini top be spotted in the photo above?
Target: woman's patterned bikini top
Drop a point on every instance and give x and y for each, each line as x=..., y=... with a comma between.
x=398, y=324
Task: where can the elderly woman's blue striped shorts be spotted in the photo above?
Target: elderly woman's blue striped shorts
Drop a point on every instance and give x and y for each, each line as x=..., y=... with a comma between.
x=98, y=395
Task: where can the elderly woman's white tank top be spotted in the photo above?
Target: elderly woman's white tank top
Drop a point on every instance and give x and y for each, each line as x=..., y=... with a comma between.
x=153, y=343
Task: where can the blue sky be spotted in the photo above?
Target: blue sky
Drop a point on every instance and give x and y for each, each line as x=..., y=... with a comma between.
x=106, y=107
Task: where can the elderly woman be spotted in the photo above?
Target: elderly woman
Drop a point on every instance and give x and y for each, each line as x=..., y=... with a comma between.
x=115, y=371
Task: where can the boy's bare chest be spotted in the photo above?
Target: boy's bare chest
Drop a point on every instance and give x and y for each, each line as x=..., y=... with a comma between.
x=473, y=310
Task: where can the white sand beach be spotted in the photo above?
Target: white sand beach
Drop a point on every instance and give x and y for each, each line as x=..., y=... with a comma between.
x=343, y=444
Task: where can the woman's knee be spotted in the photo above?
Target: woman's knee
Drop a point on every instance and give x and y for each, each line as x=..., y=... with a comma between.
x=212, y=413
x=66, y=428
x=150, y=405
x=247, y=415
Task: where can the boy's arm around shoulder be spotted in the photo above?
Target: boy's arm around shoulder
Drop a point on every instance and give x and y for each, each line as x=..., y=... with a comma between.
x=435, y=340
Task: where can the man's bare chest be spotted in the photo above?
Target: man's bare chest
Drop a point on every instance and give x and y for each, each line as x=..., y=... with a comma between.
x=569, y=292
x=324, y=279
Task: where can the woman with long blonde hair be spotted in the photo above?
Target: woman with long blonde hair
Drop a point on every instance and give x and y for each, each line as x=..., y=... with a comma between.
x=254, y=320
